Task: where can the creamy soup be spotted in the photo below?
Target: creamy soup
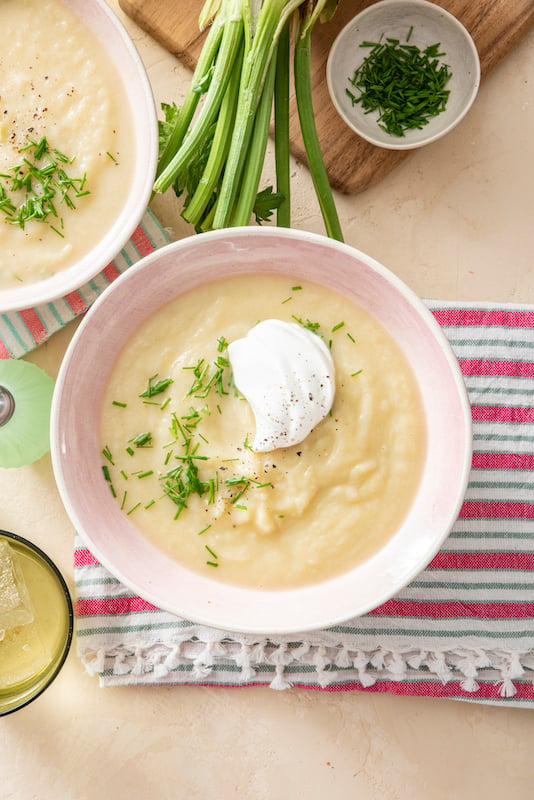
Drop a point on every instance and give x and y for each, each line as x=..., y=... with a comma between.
x=172, y=424
x=57, y=84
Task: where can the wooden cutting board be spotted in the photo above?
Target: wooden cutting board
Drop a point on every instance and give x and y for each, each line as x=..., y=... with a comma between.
x=352, y=163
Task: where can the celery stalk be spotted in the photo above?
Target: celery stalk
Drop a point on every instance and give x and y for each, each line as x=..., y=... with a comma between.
x=228, y=50
x=189, y=106
x=198, y=203
x=256, y=155
x=271, y=20
x=217, y=152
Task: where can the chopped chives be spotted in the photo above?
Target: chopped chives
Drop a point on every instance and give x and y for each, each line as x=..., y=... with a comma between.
x=106, y=452
x=105, y=470
x=402, y=83
x=353, y=374
x=142, y=439
x=41, y=178
x=210, y=551
x=212, y=563
x=119, y=404
x=183, y=456
x=337, y=327
x=204, y=530
x=351, y=337
x=308, y=324
x=239, y=495
x=212, y=489
x=156, y=387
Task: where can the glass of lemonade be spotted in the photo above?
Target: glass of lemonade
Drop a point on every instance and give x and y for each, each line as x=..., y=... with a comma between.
x=36, y=622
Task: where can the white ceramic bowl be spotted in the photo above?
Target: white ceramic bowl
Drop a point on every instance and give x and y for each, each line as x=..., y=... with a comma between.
x=110, y=32
x=176, y=268
x=393, y=19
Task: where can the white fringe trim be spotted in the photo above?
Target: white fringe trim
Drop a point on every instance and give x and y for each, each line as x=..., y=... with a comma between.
x=281, y=664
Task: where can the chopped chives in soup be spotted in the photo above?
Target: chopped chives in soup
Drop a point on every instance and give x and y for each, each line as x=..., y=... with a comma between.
x=66, y=141
x=185, y=469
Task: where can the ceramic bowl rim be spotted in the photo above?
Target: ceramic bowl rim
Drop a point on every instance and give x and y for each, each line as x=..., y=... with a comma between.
x=210, y=616
x=383, y=140
x=114, y=239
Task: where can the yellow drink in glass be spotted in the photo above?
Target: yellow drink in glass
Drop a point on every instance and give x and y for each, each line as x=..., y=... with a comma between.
x=36, y=622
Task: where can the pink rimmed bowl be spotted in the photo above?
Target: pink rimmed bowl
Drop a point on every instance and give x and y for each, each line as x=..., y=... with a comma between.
x=177, y=268
x=137, y=94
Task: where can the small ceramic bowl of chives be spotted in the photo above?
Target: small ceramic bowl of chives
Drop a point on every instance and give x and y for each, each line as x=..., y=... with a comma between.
x=403, y=73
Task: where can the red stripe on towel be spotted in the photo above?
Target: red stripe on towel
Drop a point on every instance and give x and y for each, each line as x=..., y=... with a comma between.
x=84, y=558
x=448, y=610
x=480, y=316
x=503, y=461
x=112, y=605
x=431, y=688
x=76, y=302
x=502, y=414
x=514, y=369
x=497, y=509
x=34, y=324
x=142, y=242
x=111, y=272
x=475, y=561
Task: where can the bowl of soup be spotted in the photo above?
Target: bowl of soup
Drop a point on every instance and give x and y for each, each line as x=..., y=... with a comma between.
x=78, y=146
x=188, y=456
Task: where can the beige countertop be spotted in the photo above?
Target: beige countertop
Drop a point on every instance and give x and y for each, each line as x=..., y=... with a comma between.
x=454, y=221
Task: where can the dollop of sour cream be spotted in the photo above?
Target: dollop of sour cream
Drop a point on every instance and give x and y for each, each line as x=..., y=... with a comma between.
x=286, y=373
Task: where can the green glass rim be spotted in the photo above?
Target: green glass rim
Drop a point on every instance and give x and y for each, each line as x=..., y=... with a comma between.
x=70, y=618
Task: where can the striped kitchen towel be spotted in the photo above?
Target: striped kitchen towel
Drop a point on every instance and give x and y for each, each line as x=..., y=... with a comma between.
x=464, y=628
x=23, y=331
